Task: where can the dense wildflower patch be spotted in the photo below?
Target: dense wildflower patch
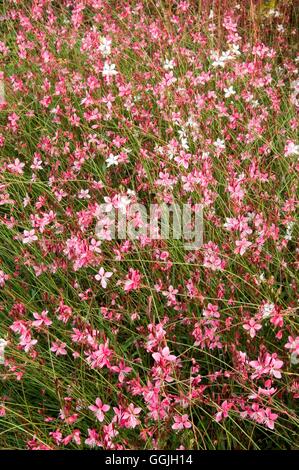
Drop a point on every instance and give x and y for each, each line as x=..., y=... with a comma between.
x=138, y=342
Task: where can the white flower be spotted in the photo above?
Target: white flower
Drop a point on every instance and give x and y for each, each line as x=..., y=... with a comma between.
x=291, y=149
x=2, y=92
x=226, y=55
x=295, y=83
x=273, y=12
x=109, y=70
x=294, y=358
x=235, y=49
x=102, y=276
x=229, y=92
x=262, y=277
x=3, y=343
x=184, y=143
x=122, y=203
x=288, y=235
x=255, y=103
x=105, y=46
x=112, y=160
x=168, y=64
x=220, y=144
x=218, y=62
x=26, y=200
x=267, y=310
x=191, y=123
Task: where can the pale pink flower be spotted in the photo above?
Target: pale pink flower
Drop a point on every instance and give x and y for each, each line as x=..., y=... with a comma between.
x=59, y=348
x=181, y=422
x=84, y=194
x=291, y=149
x=293, y=344
x=267, y=365
x=3, y=278
x=29, y=236
x=16, y=167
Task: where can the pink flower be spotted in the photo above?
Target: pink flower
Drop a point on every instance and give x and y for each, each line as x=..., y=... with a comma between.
x=171, y=295
x=133, y=280
x=269, y=418
x=293, y=344
x=181, y=422
x=3, y=277
x=252, y=326
x=122, y=370
x=57, y=436
x=274, y=366
x=212, y=259
x=130, y=416
x=41, y=319
x=27, y=342
x=99, y=409
x=102, y=276
x=59, y=348
x=164, y=355
x=109, y=433
x=76, y=436
x=84, y=194
x=100, y=357
x=223, y=413
x=267, y=365
x=241, y=246
x=211, y=311
x=16, y=167
x=92, y=440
